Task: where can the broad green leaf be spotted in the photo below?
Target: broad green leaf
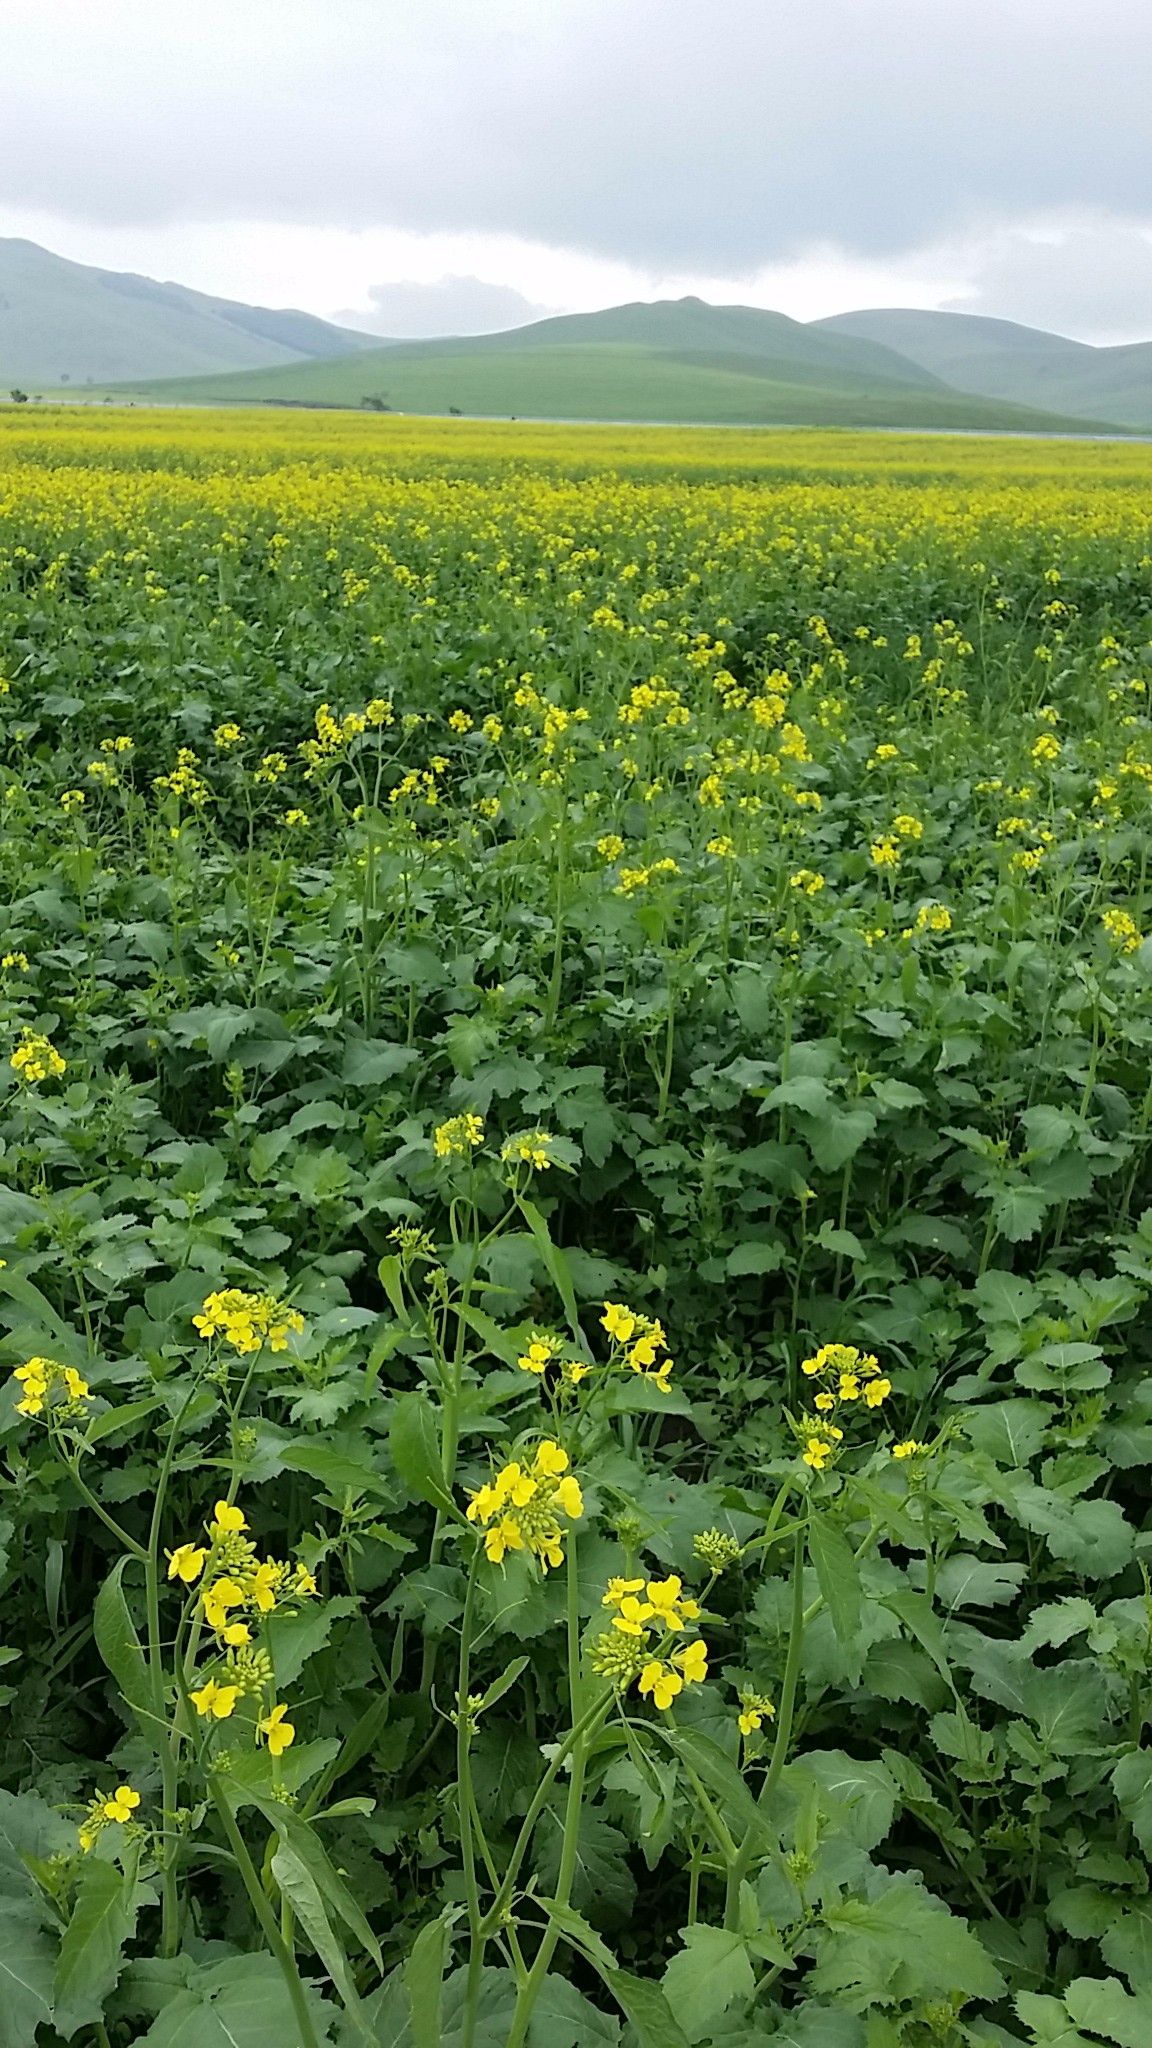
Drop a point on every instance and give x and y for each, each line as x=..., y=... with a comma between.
x=838, y=1577
x=414, y=1441
x=555, y=1263
x=711, y=1972
x=92, y=1945
x=27, y=1966
x=1105, y=2007
x=644, y=2003
x=299, y=1888
x=120, y=1647
x=424, y=1983
x=243, y=2003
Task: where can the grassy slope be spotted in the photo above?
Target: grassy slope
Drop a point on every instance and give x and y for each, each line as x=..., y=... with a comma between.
x=607, y=380
x=61, y=319
x=1000, y=359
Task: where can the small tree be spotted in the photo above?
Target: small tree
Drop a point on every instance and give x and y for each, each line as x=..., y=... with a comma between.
x=373, y=404
x=18, y=397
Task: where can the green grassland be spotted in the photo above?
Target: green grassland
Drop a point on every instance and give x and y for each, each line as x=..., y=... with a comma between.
x=679, y=362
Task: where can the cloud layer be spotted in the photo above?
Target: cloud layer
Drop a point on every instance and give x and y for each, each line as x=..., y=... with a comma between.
x=658, y=139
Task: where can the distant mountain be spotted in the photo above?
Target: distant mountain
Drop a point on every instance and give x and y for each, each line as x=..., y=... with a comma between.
x=1024, y=365
x=674, y=360
x=66, y=323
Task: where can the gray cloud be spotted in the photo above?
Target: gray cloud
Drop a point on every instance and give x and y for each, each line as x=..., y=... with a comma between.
x=1089, y=277
x=450, y=305
x=668, y=133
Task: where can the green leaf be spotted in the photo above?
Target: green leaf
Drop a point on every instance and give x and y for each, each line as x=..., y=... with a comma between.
x=300, y=1836
x=92, y=1946
x=26, y=1972
x=555, y=1264
x=414, y=1441
x=711, y=1972
x=1103, y=2004
x=838, y=1577
x=1132, y=1784
x=901, y=1944
x=243, y=2003
x=424, y=1983
x=299, y=1888
x=645, y=2005
x=120, y=1647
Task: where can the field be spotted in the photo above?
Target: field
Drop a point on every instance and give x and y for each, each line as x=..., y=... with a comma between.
x=576, y=1237
x=677, y=360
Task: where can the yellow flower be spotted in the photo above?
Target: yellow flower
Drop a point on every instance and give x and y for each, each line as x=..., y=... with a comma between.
x=877, y=1392
x=296, y=819
x=521, y=1510
x=755, y=1709
x=884, y=853
x=632, y=1614
x=529, y=1148
x=807, y=880
x=693, y=1661
x=618, y=1321
x=36, y=1059
x=278, y=1733
x=186, y=1562
x=661, y=1682
x=619, y=1590
x=1122, y=929
x=459, y=1137
x=218, y=1599
x=908, y=1449
x=122, y=1804
x=215, y=1701
x=227, y=1520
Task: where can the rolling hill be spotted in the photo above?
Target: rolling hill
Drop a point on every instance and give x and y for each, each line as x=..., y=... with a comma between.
x=1022, y=365
x=673, y=360
x=65, y=323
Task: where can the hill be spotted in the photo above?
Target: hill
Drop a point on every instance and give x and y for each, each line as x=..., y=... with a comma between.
x=675, y=360
x=66, y=323
x=1023, y=365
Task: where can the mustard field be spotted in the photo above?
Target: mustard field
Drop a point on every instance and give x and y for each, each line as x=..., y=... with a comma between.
x=576, y=1236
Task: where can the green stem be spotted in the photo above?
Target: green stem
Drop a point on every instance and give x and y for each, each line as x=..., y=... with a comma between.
x=530, y=1990
x=476, y=1938
x=739, y=1867
x=266, y=1918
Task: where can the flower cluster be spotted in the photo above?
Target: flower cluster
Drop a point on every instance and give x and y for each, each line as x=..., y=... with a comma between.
x=1122, y=929
x=755, y=1709
x=43, y=1381
x=36, y=1059
x=647, y=1617
x=105, y=1808
x=637, y=1342
x=459, y=1137
x=521, y=1506
x=545, y=1350
x=845, y=1375
x=237, y=1590
x=529, y=1148
x=247, y=1321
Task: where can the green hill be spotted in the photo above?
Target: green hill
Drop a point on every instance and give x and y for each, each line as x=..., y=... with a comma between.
x=1023, y=365
x=65, y=323
x=677, y=360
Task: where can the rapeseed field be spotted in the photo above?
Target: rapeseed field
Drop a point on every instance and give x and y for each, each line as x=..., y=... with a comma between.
x=576, y=1236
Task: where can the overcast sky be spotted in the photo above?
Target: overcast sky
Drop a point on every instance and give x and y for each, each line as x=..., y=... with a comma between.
x=424, y=166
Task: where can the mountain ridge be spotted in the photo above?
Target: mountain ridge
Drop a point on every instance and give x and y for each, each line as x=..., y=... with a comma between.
x=72, y=323
x=671, y=360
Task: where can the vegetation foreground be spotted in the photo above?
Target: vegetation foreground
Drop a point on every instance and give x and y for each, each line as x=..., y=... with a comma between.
x=576, y=1238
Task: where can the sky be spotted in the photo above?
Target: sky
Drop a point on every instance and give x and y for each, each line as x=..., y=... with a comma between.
x=437, y=166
